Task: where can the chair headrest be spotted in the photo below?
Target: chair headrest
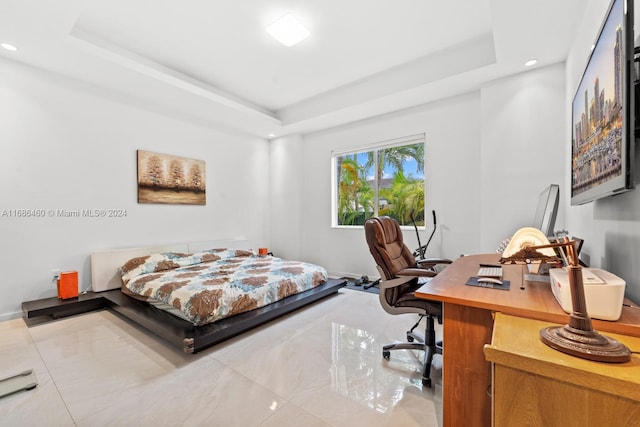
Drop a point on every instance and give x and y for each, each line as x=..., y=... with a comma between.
x=390, y=231
x=386, y=245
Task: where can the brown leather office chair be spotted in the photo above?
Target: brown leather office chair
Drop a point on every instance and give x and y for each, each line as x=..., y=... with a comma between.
x=399, y=273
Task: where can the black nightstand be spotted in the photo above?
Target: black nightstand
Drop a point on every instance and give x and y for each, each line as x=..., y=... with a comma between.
x=47, y=309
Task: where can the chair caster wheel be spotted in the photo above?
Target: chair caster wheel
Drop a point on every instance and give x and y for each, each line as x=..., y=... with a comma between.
x=386, y=354
x=426, y=382
x=409, y=338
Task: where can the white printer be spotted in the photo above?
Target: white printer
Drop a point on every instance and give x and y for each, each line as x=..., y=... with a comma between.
x=603, y=292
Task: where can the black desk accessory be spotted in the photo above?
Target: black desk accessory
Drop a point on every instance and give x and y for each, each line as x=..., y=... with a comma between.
x=477, y=281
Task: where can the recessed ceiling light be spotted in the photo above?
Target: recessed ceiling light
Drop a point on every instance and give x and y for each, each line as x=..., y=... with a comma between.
x=9, y=46
x=530, y=62
x=288, y=30
x=271, y=135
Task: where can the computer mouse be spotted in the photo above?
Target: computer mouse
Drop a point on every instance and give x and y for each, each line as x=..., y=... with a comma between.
x=489, y=280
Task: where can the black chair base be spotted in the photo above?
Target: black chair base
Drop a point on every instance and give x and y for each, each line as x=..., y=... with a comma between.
x=416, y=342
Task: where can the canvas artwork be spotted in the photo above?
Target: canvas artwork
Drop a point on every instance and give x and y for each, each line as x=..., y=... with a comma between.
x=163, y=178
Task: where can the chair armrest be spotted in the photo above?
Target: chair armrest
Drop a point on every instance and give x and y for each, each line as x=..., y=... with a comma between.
x=416, y=272
x=430, y=262
x=392, y=283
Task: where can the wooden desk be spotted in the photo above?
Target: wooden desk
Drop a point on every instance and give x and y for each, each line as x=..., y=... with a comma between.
x=468, y=325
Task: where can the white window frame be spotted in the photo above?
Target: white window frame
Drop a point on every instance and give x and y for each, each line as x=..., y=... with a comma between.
x=375, y=147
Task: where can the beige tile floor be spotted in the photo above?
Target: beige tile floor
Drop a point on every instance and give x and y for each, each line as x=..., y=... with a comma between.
x=320, y=366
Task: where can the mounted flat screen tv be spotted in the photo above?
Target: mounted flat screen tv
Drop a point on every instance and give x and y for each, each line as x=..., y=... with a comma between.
x=602, y=132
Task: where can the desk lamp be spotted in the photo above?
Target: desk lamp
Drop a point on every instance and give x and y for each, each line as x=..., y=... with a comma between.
x=577, y=338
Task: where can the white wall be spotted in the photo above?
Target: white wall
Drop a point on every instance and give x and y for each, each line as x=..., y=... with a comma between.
x=488, y=156
x=66, y=145
x=286, y=188
x=523, y=150
x=611, y=226
x=451, y=169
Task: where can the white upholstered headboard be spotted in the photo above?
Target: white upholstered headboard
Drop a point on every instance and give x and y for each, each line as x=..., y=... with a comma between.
x=105, y=264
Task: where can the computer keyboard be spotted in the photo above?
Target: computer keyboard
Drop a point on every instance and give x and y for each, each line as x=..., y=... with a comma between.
x=490, y=271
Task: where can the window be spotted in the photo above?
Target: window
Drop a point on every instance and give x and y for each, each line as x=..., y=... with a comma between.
x=386, y=178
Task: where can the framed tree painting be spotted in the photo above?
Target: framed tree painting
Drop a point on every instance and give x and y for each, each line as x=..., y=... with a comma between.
x=163, y=178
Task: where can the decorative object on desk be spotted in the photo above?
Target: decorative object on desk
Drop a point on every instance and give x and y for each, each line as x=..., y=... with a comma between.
x=518, y=249
x=577, y=338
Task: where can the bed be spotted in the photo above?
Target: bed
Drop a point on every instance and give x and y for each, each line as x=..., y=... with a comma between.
x=195, y=295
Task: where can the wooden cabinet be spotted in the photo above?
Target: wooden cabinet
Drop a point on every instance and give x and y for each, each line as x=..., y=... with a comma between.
x=534, y=385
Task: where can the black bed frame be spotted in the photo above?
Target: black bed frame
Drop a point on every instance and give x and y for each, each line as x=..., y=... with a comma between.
x=193, y=339
x=178, y=332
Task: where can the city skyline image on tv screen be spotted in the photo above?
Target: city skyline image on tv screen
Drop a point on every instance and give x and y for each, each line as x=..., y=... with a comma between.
x=598, y=110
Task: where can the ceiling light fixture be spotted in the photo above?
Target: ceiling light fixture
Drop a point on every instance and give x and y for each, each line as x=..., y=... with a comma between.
x=288, y=30
x=9, y=46
x=530, y=62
